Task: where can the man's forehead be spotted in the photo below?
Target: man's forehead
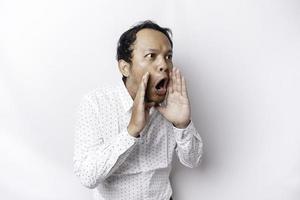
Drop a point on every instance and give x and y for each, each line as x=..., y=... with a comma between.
x=149, y=39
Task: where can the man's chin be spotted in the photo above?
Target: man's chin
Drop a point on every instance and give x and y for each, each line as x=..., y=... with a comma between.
x=156, y=98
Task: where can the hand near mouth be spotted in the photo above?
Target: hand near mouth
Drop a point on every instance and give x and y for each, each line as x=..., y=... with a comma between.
x=140, y=109
x=177, y=108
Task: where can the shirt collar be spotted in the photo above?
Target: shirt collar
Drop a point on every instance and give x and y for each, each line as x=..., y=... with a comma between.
x=125, y=97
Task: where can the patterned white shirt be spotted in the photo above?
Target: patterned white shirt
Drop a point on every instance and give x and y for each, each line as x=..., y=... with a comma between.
x=119, y=166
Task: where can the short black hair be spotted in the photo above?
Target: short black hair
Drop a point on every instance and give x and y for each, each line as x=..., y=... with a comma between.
x=124, y=49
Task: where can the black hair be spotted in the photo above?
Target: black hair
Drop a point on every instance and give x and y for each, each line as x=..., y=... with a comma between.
x=124, y=49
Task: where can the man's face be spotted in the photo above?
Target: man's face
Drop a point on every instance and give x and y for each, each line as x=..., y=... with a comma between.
x=152, y=52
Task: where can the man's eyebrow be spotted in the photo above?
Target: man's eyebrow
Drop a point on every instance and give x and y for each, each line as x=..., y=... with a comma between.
x=156, y=50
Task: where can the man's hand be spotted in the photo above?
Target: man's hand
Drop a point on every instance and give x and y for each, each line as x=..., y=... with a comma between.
x=177, y=108
x=140, y=110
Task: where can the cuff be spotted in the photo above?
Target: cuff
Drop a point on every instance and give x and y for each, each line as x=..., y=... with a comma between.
x=184, y=134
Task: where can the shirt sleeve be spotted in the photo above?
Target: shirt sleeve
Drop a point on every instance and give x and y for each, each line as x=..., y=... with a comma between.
x=189, y=145
x=96, y=156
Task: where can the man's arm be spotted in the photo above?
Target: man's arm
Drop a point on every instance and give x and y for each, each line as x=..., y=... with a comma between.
x=189, y=145
x=96, y=158
x=95, y=155
x=177, y=111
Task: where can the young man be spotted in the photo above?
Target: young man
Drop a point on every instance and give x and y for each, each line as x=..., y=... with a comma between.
x=126, y=135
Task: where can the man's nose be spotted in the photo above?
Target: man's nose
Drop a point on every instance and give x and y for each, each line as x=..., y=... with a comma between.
x=163, y=66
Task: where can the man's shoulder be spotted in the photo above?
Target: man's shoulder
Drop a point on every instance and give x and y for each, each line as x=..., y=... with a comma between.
x=103, y=94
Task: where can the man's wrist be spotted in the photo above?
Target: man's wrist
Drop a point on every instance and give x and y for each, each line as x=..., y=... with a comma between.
x=132, y=131
x=182, y=125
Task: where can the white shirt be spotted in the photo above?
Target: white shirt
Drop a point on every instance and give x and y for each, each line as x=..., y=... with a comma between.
x=119, y=166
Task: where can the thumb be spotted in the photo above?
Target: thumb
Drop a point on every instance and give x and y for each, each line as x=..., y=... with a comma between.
x=142, y=87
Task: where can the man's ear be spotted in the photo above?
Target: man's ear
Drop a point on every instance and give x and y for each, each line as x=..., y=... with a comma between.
x=124, y=67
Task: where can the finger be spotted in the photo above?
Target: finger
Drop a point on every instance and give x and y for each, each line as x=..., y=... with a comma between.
x=142, y=88
x=146, y=78
x=174, y=80
x=170, y=84
x=177, y=81
x=184, y=90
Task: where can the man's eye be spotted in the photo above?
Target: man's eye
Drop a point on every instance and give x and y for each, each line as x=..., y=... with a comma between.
x=150, y=55
x=169, y=57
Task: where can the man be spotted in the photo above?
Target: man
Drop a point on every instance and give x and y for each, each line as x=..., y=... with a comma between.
x=126, y=135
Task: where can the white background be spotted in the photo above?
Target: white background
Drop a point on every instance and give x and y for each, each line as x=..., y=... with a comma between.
x=241, y=60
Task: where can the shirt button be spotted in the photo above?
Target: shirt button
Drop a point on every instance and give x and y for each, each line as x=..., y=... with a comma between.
x=101, y=141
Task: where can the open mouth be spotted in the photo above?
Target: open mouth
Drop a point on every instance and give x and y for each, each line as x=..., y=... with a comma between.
x=161, y=86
